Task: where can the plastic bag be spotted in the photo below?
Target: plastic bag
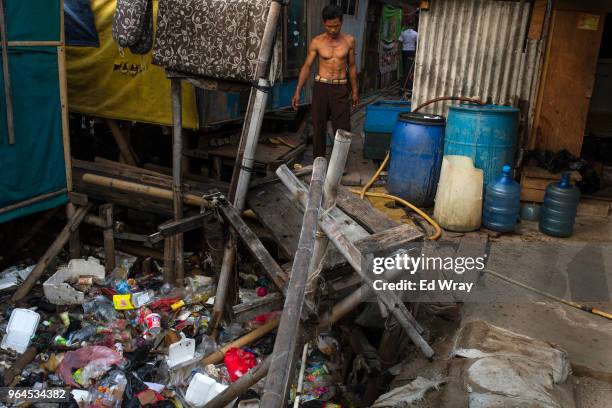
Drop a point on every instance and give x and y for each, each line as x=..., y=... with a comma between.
x=207, y=346
x=239, y=362
x=102, y=309
x=99, y=358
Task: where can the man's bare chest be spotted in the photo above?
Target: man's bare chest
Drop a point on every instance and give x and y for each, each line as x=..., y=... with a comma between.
x=328, y=52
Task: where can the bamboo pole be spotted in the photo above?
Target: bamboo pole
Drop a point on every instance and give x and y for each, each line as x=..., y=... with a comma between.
x=331, y=228
x=35, y=43
x=245, y=156
x=177, y=183
x=63, y=90
x=188, y=198
x=241, y=385
x=32, y=200
x=283, y=355
x=258, y=333
x=337, y=163
x=51, y=252
x=7, y=78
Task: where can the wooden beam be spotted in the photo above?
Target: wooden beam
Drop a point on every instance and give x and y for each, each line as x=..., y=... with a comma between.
x=32, y=200
x=63, y=90
x=255, y=247
x=7, y=78
x=122, y=142
x=51, y=252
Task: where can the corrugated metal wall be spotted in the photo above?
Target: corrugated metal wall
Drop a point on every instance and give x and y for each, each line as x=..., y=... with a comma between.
x=475, y=48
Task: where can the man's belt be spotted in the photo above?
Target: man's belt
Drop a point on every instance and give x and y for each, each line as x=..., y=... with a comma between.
x=319, y=78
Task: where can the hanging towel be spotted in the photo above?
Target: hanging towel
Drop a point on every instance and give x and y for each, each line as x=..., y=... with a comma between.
x=133, y=25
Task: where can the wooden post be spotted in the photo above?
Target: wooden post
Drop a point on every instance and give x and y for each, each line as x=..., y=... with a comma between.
x=74, y=245
x=106, y=213
x=284, y=353
x=255, y=247
x=7, y=78
x=122, y=142
x=334, y=232
x=177, y=170
x=169, y=260
x=52, y=251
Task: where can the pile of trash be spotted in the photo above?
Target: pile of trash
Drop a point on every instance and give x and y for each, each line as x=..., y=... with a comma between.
x=125, y=339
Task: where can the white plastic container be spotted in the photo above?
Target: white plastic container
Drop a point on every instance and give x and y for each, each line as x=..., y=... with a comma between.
x=458, y=204
x=202, y=389
x=181, y=352
x=21, y=327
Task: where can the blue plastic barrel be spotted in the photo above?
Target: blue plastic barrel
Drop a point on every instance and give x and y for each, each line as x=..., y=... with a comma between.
x=559, y=208
x=502, y=203
x=380, y=120
x=416, y=157
x=488, y=134
x=381, y=116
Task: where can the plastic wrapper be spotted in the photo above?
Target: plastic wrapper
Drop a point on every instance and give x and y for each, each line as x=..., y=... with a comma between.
x=239, y=362
x=99, y=359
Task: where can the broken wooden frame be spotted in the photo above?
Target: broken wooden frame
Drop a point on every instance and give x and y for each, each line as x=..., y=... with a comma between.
x=352, y=254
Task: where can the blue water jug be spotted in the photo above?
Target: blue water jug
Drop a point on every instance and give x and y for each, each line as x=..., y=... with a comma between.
x=502, y=203
x=559, y=208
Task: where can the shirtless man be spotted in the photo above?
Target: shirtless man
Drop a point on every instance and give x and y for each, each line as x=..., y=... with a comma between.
x=330, y=99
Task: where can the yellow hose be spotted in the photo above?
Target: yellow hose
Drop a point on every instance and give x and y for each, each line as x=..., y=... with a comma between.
x=364, y=192
x=374, y=177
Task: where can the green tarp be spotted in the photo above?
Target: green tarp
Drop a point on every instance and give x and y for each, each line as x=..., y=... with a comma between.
x=34, y=165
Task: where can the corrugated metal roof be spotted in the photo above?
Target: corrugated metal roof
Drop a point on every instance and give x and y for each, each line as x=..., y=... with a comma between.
x=474, y=48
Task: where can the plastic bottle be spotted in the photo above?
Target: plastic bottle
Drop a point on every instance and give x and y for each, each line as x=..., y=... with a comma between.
x=502, y=203
x=81, y=335
x=559, y=208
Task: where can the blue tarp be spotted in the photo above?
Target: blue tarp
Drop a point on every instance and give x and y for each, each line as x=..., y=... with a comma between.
x=79, y=24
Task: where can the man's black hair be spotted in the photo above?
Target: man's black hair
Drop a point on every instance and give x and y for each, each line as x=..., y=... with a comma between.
x=331, y=12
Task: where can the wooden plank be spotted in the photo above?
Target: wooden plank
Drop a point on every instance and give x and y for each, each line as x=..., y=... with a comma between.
x=532, y=195
x=389, y=241
x=568, y=80
x=278, y=214
x=538, y=14
x=362, y=211
x=255, y=247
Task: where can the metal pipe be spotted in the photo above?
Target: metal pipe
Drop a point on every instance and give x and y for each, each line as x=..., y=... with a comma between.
x=177, y=183
x=337, y=163
x=245, y=156
x=283, y=355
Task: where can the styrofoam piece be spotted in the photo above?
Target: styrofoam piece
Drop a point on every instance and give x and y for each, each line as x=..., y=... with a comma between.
x=21, y=327
x=81, y=396
x=181, y=352
x=58, y=292
x=202, y=389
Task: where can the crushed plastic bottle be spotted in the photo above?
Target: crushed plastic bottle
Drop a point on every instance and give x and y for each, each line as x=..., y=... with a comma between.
x=101, y=308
